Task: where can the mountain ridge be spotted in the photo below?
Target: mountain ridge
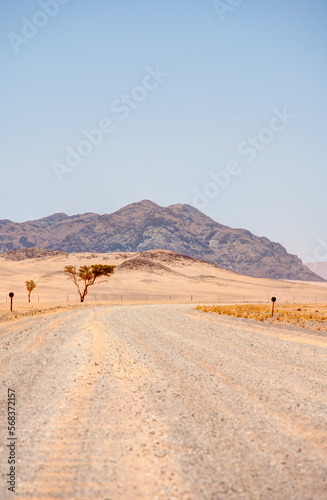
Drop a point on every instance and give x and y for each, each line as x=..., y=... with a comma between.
x=145, y=226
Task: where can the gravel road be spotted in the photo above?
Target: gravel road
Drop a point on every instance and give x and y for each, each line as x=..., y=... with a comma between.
x=163, y=402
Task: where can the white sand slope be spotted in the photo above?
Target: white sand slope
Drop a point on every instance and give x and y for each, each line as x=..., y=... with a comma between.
x=153, y=276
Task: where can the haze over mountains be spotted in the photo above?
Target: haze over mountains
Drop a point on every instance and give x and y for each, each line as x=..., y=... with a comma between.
x=319, y=268
x=148, y=226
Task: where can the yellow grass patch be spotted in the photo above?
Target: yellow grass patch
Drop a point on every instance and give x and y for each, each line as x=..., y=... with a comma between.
x=311, y=316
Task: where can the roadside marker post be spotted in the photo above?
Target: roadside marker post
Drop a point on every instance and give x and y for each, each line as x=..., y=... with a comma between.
x=273, y=300
x=11, y=295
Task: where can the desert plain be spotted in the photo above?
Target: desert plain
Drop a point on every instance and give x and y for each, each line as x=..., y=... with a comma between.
x=137, y=394
x=153, y=276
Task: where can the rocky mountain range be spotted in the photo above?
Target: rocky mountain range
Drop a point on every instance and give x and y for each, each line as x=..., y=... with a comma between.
x=148, y=226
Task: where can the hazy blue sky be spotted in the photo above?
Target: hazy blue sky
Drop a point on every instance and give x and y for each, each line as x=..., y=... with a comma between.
x=222, y=72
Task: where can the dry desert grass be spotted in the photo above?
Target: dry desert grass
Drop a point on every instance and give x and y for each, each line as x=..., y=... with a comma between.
x=311, y=316
x=26, y=311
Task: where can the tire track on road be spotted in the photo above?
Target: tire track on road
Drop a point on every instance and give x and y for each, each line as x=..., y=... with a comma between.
x=159, y=342
x=116, y=437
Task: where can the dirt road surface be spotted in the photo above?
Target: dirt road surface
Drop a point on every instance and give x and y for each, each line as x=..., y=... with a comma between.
x=163, y=402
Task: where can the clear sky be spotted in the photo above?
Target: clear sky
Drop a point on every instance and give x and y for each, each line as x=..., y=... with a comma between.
x=181, y=90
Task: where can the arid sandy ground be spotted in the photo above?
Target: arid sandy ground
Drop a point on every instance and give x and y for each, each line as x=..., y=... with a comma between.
x=164, y=402
x=173, y=280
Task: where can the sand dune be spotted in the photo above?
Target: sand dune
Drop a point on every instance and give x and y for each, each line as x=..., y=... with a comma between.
x=154, y=276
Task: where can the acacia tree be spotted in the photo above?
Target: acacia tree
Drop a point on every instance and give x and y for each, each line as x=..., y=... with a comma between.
x=30, y=285
x=87, y=275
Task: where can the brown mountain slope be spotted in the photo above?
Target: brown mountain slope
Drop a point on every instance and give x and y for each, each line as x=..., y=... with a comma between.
x=30, y=253
x=147, y=226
